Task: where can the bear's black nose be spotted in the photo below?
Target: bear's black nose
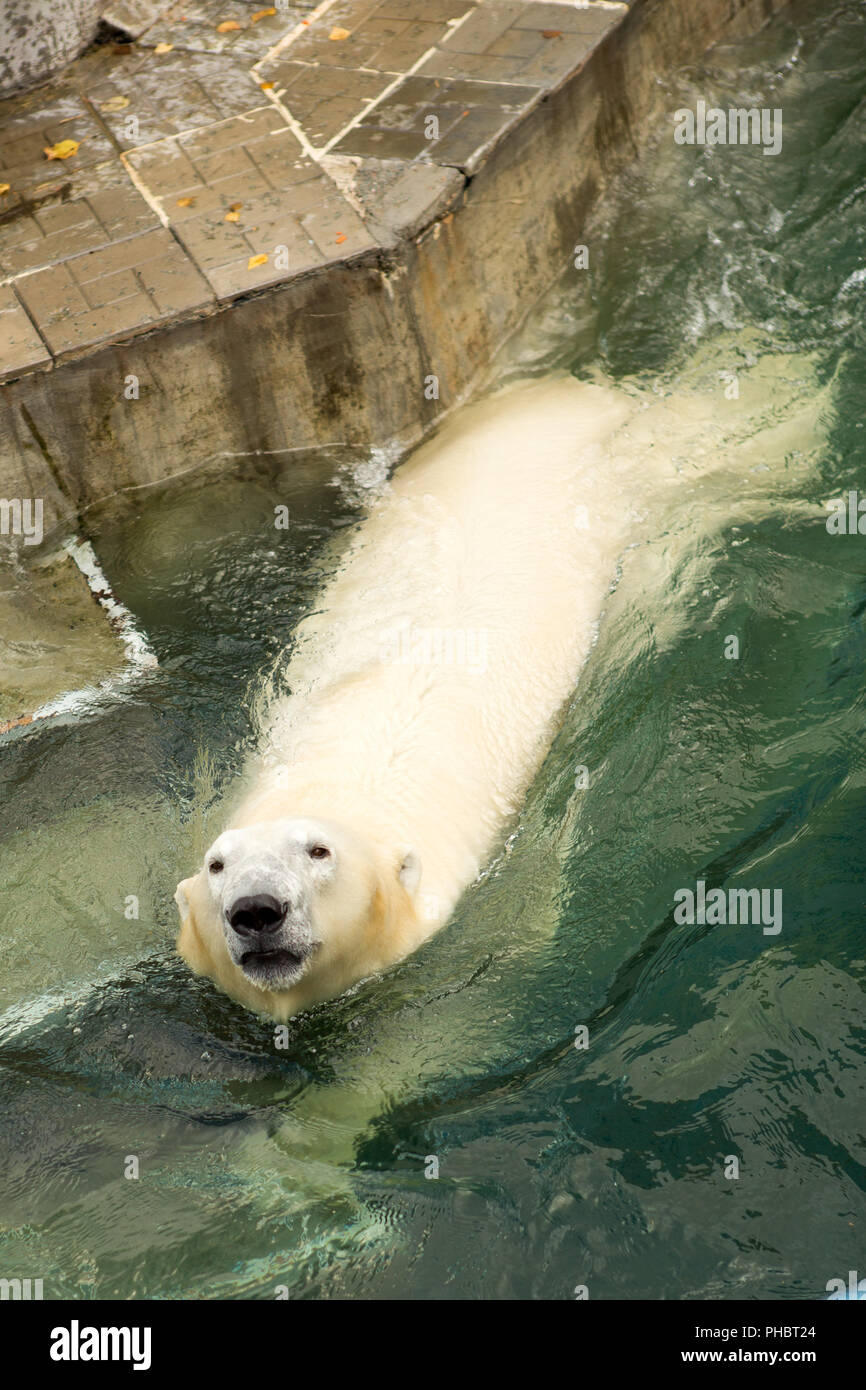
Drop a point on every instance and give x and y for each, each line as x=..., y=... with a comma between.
x=256, y=916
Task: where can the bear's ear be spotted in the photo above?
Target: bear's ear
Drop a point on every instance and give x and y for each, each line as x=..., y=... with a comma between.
x=409, y=870
x=181, y=897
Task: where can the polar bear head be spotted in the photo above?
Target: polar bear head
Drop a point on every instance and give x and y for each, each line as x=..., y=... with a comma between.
x=290, y=911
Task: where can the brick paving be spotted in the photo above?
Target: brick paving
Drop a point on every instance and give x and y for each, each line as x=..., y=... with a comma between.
x=221, y=147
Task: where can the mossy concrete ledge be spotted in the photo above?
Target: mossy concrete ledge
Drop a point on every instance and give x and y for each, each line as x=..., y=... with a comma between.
x=286, y=259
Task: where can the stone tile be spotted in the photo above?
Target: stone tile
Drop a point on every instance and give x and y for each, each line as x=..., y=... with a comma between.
x=71, y=333
x=165, y=170
x=58, y=208
x=17, y=224
x=121, y=209
x=406, y=48
x=63, y=216
x=337, y=230
x=23, y=142
x=166, y=94
x=123, y=255
x=212, y=242
x=433, y=9
x=313, y=222
x=484, y=26
x=26, y=112
x=237, y=277
x=469, y=114
x=193, y=26
x=585, y=19
x=346, y=14
x=535, y=44
x=466, y=142
x=232, y=164
x=133, y=17
x=467, y=92
x=152, y=280
x=21, y=348
x=107, y=289
x=487, y=67
x=518, y=43
x=191, y=205
x=41, y=248
x=558, y=58
x=234, y=161
x=376, y=39
x=323, y=100
x=301, y=198
x=50, y=295
x=382, y=144
x=282, y=161
x=241, y=130
x=174, y=284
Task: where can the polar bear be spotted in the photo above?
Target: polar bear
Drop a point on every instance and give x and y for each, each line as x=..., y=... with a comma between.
x=426, y=688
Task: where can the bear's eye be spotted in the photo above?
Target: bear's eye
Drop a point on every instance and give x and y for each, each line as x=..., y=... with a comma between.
x=319, y=852
x=216, y=866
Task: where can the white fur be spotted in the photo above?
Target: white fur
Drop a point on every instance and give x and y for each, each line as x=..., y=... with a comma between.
x=427, y=686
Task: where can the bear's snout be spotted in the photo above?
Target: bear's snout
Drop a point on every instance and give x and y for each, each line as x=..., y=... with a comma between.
x=257, y=916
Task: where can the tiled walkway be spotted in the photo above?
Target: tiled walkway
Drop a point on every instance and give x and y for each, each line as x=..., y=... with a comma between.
x=229, y=146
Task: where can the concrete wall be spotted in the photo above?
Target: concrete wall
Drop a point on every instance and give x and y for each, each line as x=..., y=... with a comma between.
x=37, y=37
x=342, y=354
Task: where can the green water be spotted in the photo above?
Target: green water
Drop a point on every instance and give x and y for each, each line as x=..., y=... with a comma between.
x=304, y=1167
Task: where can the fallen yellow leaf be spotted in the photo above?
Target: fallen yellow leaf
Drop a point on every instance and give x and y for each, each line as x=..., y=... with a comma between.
x=337, y=34
x=254, y=261
x=266, y=86
x=232, y=217
x=64, y=149
x=4, y=187
x=114, y=104
x=185, y=202
x=227, y=26
x=163, y=48
x=262, y=14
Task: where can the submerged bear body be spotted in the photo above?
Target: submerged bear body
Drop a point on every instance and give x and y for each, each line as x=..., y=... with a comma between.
x=427, y=686
x=425, y=692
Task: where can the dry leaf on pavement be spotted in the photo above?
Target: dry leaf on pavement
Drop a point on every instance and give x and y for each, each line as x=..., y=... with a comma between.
x=64, y=149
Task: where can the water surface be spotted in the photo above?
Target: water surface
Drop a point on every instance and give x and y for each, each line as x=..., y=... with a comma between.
x=304, y=1166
